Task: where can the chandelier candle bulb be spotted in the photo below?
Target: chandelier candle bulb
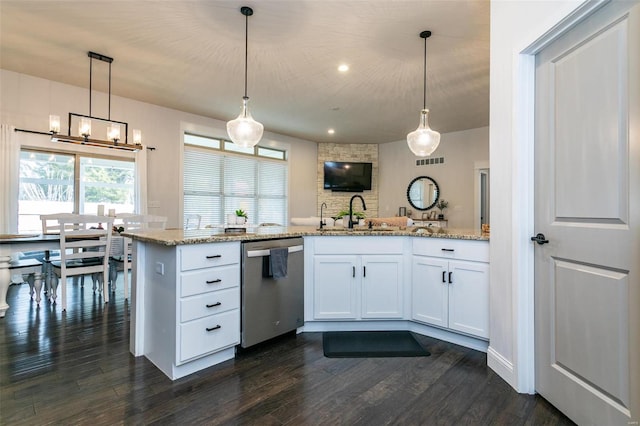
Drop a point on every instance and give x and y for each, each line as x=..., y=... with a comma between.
x=137, y=136
x=113, y=132
x=84, y=128
x=54, y=124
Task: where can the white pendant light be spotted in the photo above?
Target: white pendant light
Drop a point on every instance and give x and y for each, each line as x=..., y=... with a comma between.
x=423, y=141
x=244, y=131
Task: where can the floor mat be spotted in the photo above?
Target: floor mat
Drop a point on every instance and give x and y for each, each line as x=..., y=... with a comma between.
x=371, y=344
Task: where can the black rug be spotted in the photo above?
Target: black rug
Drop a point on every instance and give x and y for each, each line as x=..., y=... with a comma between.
x=371, y=344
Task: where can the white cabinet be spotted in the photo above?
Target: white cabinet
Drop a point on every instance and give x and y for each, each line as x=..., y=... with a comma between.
x=381, y=286
x=192, y=305
x=350, y=285
x=450, y=284
x=334, y=291
x=209, y=299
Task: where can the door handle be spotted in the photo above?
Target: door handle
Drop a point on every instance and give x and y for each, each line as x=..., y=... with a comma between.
x=354, y=272
x=540, y=239
x=450, y=273
x=364, y=271
x=444, y=274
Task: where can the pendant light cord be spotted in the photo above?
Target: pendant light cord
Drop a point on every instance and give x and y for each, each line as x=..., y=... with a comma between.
x=424, y=99
x=246, y=51
x=90, y=80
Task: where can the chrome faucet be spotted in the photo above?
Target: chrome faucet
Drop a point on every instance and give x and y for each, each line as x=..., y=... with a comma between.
x=364, y=207
x=322, y=224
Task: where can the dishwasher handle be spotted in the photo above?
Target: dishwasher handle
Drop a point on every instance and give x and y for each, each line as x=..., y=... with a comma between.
x=262, y=253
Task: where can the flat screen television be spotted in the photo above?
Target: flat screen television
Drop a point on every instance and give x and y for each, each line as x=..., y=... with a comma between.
x=347, y=176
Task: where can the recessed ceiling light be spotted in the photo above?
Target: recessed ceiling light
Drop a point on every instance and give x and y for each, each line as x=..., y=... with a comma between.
x=331, y=131
x=343, y=68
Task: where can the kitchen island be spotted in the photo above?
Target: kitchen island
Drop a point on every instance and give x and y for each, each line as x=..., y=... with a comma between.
x=186, y=287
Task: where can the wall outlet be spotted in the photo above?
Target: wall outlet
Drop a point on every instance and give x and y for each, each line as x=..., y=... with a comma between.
x=160, y=268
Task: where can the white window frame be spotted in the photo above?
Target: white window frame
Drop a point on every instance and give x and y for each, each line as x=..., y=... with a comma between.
x=271, y=145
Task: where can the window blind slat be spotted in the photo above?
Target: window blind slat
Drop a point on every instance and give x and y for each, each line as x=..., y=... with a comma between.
x=217, y=184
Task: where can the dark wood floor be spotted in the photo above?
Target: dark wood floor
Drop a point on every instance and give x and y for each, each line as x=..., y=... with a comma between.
x=75, y=368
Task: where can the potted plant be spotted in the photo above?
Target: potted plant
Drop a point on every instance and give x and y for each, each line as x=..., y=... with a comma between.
x=442, y=205
x=344, y=215
x=241, y=217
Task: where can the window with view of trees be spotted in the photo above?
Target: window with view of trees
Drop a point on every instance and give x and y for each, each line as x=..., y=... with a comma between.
x=52, y=182
x=219, y=178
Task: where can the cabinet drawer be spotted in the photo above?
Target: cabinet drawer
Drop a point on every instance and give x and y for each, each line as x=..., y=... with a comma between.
x=210, y=279
x=452, y=249
x=209, y=334
x=209, y=304
x=198, y=256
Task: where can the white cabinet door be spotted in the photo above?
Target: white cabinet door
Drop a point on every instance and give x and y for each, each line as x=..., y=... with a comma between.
x=382, y=286
x=334, y=287
x=452, y=294
x=469, y=297
x=430, y=290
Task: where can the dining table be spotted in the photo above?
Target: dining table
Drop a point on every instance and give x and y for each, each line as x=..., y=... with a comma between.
x=10, y=244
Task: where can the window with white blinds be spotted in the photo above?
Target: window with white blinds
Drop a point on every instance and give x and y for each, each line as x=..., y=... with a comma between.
x=217, y=183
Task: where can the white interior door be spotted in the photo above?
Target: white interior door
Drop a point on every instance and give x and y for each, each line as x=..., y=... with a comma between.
x=587, y=205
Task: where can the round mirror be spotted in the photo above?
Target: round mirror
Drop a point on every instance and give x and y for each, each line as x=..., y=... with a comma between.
x=423, y=193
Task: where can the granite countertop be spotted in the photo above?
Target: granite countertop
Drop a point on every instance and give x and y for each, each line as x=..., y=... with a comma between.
x=172, y=237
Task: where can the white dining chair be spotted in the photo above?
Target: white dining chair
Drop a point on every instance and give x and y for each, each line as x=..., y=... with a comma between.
x=85, y=241
x=123, y=262
x=51, y=226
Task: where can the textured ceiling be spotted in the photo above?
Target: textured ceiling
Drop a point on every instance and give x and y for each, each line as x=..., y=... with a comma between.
x=189, y=55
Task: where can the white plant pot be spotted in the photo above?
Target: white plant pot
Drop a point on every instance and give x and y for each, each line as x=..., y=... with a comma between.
x=231, y=219
x=240, y=220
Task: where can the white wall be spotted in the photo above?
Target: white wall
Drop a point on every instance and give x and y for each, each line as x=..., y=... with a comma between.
x=27, y=101
x=461, y=150
x=515, y=25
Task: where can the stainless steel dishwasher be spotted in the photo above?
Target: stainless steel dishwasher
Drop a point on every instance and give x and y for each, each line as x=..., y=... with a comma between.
x=271, y=307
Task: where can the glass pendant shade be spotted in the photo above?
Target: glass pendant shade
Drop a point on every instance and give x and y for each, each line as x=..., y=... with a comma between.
x=244, y=131
x=84, y=128
x=423, y=141
x=137, y=136
x=113, y=132
x=54, y=124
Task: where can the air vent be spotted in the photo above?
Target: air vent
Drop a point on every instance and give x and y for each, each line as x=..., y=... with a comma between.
x=430, y=161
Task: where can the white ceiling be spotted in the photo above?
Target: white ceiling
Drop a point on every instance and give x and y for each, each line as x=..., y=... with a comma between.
x=189, y=55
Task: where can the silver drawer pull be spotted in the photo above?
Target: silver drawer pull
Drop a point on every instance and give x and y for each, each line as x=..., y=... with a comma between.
x=214, y=305
x=214, y=328
x=214, y=256
x=214, y=281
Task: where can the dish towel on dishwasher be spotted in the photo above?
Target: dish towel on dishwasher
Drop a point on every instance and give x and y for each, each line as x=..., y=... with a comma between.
x=278, y=260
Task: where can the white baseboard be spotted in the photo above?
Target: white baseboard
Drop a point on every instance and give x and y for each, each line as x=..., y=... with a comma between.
x=502, y=366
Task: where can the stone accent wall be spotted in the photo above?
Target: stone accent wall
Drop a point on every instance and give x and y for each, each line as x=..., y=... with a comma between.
x=336, y=201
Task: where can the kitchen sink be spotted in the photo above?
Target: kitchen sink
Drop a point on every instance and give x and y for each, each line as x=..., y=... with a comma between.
x=358, y=229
